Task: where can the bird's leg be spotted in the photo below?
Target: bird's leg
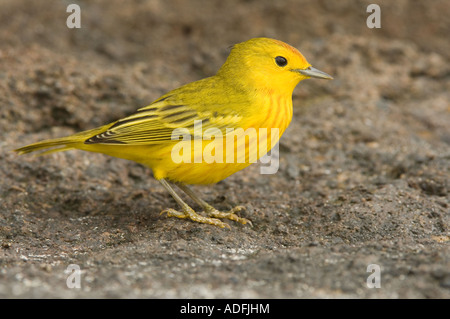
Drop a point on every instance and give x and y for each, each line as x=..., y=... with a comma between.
x=211, y=211
x=188, y=212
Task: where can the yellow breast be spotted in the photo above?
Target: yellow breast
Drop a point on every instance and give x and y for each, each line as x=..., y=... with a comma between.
x=215, y=157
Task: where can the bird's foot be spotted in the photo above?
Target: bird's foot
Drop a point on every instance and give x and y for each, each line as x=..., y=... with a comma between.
x=214, y=213
x=189, y=213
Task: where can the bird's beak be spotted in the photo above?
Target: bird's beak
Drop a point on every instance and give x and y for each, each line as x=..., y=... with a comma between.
x=314, y=73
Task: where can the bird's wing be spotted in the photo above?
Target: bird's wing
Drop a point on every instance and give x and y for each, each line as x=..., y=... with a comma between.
x=156, y=123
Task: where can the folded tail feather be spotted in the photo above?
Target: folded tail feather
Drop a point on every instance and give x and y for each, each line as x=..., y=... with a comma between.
x=60, y=144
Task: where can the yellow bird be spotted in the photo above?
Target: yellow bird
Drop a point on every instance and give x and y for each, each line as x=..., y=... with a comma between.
x=183, y=136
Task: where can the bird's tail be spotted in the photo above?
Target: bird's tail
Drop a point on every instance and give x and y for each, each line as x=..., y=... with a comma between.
x=60, y=144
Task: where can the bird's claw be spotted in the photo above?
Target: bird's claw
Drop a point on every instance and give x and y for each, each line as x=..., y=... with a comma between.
x=192, y=215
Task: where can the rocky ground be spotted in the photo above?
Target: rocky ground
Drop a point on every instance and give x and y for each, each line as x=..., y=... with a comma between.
x=364, y=167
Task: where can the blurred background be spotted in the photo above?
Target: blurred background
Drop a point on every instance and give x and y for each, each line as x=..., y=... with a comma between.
x=364, y=168
x=163, y=44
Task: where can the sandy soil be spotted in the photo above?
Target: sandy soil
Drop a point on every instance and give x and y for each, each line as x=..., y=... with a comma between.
x=364, y=169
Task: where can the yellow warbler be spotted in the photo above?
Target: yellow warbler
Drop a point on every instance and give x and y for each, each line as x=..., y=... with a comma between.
x=173, y=135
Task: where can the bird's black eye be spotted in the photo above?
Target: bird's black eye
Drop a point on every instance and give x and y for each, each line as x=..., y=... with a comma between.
x=281, y=61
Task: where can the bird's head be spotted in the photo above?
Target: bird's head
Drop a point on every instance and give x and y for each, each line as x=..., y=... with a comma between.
x=268, y=65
